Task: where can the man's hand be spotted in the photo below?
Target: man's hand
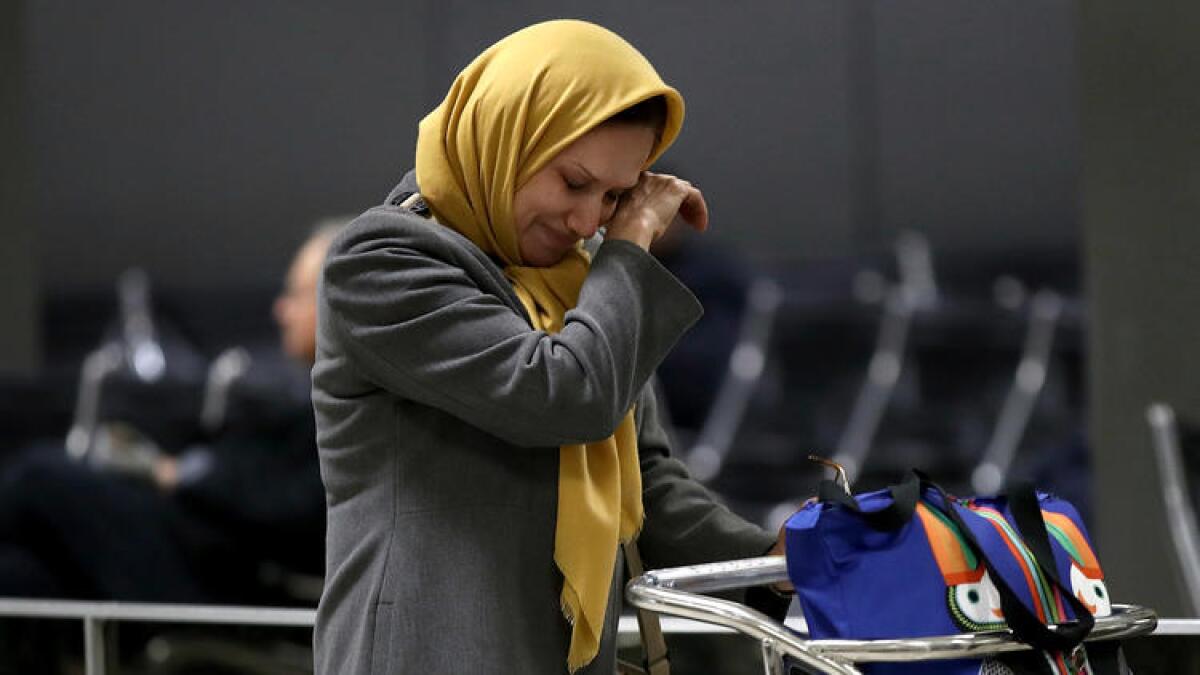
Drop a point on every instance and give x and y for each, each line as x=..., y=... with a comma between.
x=166, y=473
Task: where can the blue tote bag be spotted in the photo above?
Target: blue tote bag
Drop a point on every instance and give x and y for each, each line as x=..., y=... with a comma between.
x=911, y=561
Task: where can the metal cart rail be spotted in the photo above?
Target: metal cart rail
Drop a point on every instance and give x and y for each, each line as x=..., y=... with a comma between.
x=679, y=592
x=101, y=619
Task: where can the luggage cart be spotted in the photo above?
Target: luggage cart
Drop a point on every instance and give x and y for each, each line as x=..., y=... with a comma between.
x=679, y=591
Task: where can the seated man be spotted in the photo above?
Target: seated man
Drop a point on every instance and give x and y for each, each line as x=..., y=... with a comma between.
x=203, y=524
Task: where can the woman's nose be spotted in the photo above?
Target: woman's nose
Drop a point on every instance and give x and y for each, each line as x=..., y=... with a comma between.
x=584, y=219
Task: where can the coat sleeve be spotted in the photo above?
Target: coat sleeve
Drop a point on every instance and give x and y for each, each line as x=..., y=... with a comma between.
x=684, y=524
x=425, y=316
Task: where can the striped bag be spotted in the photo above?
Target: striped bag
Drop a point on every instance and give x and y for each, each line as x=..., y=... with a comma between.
x=912, y=561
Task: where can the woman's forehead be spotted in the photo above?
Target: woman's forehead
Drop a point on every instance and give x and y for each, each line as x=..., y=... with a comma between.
x=611, y=153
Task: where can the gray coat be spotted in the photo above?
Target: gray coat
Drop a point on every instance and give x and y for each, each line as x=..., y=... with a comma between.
x=439, y=414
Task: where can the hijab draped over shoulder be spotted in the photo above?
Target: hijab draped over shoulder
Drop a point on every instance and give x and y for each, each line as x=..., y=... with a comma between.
x=508, y=113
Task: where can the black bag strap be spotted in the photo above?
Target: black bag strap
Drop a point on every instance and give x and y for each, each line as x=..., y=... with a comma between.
x=892, y=517
x=1024, y=623
x=1027, y=515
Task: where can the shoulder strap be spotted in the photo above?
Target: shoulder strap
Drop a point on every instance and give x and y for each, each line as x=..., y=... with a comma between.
x=1025, y=624
x=414, y=202
x=1023, y=503
x=654, y=647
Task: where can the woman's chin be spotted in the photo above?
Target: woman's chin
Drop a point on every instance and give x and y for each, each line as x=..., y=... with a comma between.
x=544, y=257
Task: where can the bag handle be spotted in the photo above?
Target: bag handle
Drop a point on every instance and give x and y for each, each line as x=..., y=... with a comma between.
x=892, y=517
x=1024, y=623
x=1027, y=516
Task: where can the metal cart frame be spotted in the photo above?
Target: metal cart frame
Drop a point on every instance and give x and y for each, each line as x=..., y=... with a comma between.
x=679, y=591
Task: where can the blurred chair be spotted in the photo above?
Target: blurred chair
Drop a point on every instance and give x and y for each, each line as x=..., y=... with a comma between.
x=1181, y=512
x=98, y=366
x=747, y=363
x=916, y=290
x=137, y=348
x=950, y=375
x=143, y=382
x=229, y=365
x=143, y=351
x=228, y=370
x=990, y=475
x=187, y=650
x=883, y=373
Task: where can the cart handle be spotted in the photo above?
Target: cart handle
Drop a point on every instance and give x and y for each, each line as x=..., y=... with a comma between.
x=677, y=590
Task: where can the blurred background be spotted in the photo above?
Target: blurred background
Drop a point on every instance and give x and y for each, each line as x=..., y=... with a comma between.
x=954, y=236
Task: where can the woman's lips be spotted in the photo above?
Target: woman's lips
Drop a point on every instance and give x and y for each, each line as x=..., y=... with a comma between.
x=560, y=239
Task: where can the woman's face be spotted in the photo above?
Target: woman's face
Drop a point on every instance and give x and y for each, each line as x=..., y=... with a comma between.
x=576, y=192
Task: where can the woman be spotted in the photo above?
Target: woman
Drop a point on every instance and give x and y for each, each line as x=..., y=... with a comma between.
x=486, y=431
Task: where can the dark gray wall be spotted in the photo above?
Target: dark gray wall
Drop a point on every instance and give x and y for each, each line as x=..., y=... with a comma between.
x=200, y=139
x=18, y=267
x=1141, y=196
x=977, y=116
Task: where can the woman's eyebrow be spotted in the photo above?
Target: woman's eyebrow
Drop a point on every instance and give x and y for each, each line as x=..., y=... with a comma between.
x=592, y=177
x=588, y=174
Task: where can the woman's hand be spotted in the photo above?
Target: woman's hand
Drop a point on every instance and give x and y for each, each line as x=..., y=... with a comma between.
x=780, y=548
x=646, y=211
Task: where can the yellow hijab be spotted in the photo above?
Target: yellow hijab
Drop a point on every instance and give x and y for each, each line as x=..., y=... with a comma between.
x=508, y=113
